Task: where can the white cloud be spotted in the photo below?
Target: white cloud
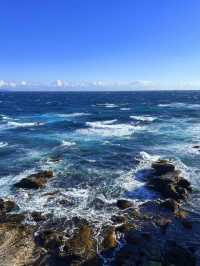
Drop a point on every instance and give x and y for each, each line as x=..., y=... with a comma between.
x=3, y=83
x=61, y=85
x=23, y=83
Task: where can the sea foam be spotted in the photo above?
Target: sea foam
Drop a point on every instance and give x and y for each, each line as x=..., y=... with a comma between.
x=109, y=129
x=143, y=118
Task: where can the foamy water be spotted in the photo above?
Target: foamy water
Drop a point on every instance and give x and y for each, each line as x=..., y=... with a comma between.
x=99, y=147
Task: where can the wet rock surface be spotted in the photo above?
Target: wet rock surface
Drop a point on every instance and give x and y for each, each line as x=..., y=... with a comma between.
x=168, y=182
x=157, y=233
x=35, y=181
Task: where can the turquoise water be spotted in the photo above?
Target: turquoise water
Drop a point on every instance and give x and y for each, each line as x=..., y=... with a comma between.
x=101, y=140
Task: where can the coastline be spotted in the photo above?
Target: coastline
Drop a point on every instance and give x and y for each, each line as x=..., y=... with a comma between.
x=159, y=232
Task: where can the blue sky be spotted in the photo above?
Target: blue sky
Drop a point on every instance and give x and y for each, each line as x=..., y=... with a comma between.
x=109, y=41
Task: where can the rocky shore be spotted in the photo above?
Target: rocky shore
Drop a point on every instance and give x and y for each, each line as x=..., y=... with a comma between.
x=157, y=233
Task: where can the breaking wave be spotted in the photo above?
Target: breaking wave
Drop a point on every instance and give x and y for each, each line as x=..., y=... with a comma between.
x=143, y=118
x=109, y=129
x=181, y=105
x=3, y=144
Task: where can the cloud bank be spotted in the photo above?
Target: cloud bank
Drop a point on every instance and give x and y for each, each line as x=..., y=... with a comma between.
x=61, y=85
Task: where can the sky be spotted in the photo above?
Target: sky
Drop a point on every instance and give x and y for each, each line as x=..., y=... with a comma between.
x=120, y=44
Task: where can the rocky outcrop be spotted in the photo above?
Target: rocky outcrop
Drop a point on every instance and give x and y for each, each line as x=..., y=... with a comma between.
x=162, y=167
x=17, y=246
x=7, y=205
x=110, y=239
x=133, y=236
x=124, y=204
x=179, y=256
x=35, y=181
x=82, y=244
x=168, y=181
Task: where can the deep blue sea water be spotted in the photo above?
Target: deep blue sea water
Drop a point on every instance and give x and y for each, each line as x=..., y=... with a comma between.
x=102, y=140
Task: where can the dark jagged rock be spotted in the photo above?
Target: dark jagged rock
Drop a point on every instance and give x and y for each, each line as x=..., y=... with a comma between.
x=162, y=167
x=35, y=181
x=134, y=237
x=124, y=227
x=168, y=182
x=96, y=261
x=124, y=204
x=16, y=218
x=179, y=256
x=170, y=204
x=38, y=216
x=7, y=205
x=184, y=183
x=186, y=223
x=163, y=223
x=196, y=147
x=50, y=240
x=118, y=219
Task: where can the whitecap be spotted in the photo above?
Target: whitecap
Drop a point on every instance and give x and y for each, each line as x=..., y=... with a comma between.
x=73, y=114
x=109, y=129
x=143, y=118
x=4, y=117
x=68, y=143
x=180, y=105
x=148, y=157
x=125, y=109
x=3, y=144
x=28, y=124
x=108, y=105
x=101, y=123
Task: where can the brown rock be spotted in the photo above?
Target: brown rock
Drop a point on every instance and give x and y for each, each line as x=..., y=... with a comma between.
x=7, y=205
x=17, y=218
x=17, y=245
x=110, y=240
x=50, y=240
x=82, y=243
x=35, y=181
x=181, y=214
x=124, y=204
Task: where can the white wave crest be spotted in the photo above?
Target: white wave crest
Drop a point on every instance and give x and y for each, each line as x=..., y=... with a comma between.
x=107, y=105
x=109, y=129
x=3, y=144
x=101, y=123
x=148, y=157
x=181, y=105
x=5, y=117
x=68, y=143
x=143, y=118
x=125, y=109
x=17, y=124
x=73, y=114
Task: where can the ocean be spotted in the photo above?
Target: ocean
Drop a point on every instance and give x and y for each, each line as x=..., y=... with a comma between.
x=98, y=144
